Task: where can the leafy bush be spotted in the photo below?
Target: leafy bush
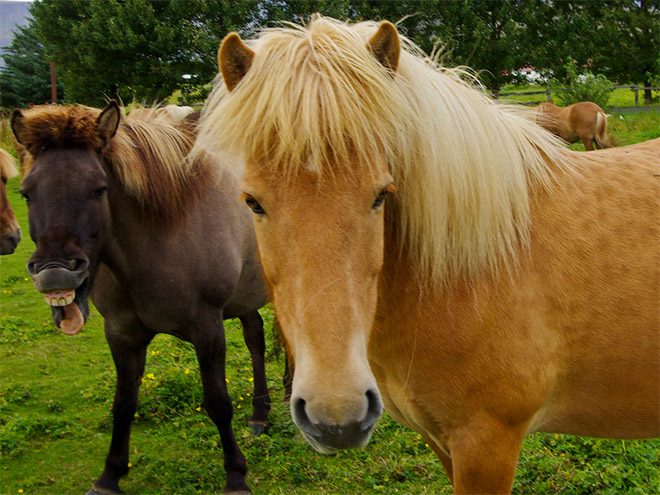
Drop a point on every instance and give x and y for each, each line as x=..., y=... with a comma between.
x=583, y=86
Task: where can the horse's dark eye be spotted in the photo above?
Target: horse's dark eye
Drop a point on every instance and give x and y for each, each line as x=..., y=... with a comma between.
x=380, y=199
x=26, y=197
x=100, y=191
x=254, y=205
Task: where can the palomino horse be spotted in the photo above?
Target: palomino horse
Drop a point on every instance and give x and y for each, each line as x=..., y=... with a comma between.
x=173, y=113
x=10, y=232
x=584, y=121
x=435, y=252
x=160, y=242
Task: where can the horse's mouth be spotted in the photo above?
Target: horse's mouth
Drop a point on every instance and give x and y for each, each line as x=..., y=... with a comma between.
x=69, y=307
x=65, y=287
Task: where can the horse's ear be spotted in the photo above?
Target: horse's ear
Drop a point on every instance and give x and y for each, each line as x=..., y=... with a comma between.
x=108, y=121
x=234, y=59
x=385, y=45
x=18, y=126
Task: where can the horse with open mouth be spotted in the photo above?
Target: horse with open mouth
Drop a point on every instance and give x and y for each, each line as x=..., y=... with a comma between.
x=436, y=252
x=160, y=244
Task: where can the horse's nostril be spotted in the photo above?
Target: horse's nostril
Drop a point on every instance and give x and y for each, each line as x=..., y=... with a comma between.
x=79, y=265
x=302, y=419
x=31, y=268
x=374, y=409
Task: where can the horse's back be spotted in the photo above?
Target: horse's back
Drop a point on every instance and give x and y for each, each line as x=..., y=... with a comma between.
x=596, y=253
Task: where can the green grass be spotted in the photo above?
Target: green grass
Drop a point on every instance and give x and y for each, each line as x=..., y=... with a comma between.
x=55, y=421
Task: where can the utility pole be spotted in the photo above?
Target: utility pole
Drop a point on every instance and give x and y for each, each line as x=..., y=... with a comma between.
x=53, y=84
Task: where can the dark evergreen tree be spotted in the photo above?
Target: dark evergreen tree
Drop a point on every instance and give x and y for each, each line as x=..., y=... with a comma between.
x=25, y=78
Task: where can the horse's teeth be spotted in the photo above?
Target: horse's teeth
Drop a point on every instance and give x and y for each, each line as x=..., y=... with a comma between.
x=60, y=301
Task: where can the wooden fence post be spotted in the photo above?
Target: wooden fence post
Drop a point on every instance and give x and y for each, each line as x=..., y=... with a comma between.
x=636, y=95
x=53, y=84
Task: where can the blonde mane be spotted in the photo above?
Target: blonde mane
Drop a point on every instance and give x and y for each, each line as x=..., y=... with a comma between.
x=148, y=154
x=464, y=166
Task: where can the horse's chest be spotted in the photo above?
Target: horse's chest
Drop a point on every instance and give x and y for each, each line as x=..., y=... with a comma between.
x=401, y=400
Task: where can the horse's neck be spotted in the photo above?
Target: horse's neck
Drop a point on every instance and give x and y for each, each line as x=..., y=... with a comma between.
x=127, y=234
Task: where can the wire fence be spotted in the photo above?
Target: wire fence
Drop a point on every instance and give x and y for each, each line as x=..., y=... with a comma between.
x=548, y=93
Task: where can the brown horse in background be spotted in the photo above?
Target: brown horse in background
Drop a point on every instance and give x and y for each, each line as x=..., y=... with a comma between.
x=584, y=121
x=158, y=241
x=10, y=232
x=478, y=289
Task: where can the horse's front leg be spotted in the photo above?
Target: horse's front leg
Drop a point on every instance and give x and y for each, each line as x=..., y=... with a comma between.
x=129, y=356
x=253, y=333
x=588, y=144
x=484, y=456
x=209, y=341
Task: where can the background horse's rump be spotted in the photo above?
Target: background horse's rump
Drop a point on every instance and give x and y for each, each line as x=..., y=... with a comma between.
x=584, y=121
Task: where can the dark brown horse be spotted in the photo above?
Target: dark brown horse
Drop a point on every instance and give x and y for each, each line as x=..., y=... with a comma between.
x=10, y=232
x=161, y=244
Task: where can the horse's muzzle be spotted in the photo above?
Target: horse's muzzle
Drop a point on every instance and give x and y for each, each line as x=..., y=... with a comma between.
x=329, y=438
x=10, y=242
x=58, y=274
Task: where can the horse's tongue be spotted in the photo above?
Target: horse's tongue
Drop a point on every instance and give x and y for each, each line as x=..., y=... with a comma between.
x=73, y=320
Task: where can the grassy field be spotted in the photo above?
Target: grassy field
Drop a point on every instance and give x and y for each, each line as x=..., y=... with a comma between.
x=55, y=421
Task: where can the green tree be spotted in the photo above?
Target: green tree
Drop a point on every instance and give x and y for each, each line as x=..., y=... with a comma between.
x=135, y=48
x=582, y=86
x=559, y=33
x=486, y=35
x=483, y=34
x=25, y=78
x=630, y=37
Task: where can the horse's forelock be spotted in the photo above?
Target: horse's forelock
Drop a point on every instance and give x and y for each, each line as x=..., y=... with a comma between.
x=277, y=104
x=48, y=126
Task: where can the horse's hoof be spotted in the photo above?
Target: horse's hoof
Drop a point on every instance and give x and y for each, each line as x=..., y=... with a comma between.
x=258, y=427
x=242, y=492
x=97, y=490
x=93, y=491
